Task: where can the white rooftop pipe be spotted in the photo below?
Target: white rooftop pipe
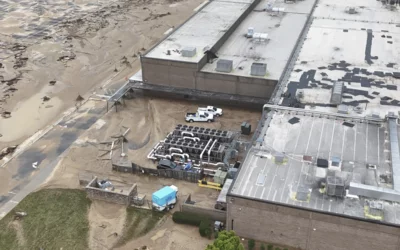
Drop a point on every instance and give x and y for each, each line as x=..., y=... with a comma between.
x=201, y=155
x=209, y=151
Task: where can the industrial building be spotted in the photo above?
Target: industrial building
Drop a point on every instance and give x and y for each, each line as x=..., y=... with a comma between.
x=324, y=172
x=235, y=50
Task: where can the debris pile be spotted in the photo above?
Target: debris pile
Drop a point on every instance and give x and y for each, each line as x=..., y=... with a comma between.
x=6, y=151
x=106, y=148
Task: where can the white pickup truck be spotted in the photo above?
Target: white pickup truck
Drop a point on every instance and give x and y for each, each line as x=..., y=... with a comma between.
x=199, y=117
x=211, y=110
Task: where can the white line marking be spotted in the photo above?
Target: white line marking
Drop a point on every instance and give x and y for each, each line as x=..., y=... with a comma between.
x=320, y=138
x=251, y=188
x=322, y=205
x=355, y=144
x=290, y=163
x=262, y=194
x=16, y=202
x=366, y=146
x=343, y=140
x=378, y=146
x=272, y=182
x=12, y=192
x=247, y=169
x=333, y=133
x=273, y=198
x=309, y=137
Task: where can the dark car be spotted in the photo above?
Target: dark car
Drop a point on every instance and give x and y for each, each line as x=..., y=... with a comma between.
x=167, y=164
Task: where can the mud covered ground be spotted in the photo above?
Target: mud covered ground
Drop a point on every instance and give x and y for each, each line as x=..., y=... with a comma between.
x=53, y=51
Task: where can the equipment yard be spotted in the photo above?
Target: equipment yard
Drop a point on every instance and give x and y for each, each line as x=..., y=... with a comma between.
x=110, y=106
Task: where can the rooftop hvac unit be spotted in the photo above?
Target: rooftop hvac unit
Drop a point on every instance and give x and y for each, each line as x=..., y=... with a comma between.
x=260, y=37
x=258, y=69
x=343, y=109
x=224, y=65
x=188, y=52
x=335, y=186
x=337, y=91
x=250, y=32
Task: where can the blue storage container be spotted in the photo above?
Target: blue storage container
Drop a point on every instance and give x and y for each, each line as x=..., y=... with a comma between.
x=163, y=196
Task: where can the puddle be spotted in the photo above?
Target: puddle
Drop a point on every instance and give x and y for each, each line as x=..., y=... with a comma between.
x=66, y=141
x=26, y=159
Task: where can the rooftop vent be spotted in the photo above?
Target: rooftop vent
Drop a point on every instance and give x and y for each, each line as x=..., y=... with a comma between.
x=188, y=52
x=224, y=65
x=343, y=109
x=250, y=32
x=258, y=69
x=302, y=194
x=351, y=10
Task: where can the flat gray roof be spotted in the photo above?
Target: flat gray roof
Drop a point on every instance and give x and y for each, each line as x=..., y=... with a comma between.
x=262, y=177
x=336, y=50
x=366, y=10
x=201, y=31
x=283, y=30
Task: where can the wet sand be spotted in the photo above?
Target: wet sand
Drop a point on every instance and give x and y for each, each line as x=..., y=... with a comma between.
x=77, y=45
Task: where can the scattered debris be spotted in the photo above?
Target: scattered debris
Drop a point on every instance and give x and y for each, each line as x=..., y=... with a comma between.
x=35, y=164
x=67, y=56
x=6, y=114
x=19, y=215
x=52, y=82
x=348, y=124
x=7, y=151
x=294, y=120
x=46, y=98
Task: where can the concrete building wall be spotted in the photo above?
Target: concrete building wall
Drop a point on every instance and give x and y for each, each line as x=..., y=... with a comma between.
x=307, y=229
x=230, y=84
x=170, y=73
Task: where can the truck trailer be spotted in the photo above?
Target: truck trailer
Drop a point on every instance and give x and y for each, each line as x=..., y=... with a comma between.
x=165, y=198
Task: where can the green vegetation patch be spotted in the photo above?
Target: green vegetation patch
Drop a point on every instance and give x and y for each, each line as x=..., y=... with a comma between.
x=56, y=218
x=138, y=223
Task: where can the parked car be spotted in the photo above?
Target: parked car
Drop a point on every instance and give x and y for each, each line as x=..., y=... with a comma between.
x=211, y=110
x=199, y=117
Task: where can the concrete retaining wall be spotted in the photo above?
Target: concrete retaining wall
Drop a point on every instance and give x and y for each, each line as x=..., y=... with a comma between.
x=110, y=196
x=213, y=214
x=307, y=229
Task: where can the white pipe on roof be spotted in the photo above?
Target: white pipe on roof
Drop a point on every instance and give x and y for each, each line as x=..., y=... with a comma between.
x=150, y=155
x=187, y=133
x=175, y=149
x=209, y=151
x=201, y=155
